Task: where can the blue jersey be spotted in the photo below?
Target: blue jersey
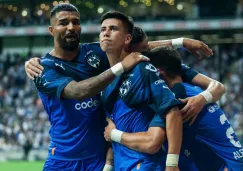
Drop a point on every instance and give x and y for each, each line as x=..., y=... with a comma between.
x=76, y=126
x=210, y=141
x=131, y=101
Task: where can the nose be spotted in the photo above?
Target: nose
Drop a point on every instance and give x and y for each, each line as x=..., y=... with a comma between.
x=106, y=33
x=70, y=26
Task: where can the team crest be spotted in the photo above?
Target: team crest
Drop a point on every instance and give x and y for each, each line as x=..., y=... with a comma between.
x=125, y=87
x=94, y=61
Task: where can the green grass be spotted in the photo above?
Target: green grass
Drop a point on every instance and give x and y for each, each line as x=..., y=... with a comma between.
x=21, y=166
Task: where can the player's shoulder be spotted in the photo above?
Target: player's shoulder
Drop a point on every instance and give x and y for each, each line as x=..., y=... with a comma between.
x=91, y=46
x=47, y=60
x=144, y=68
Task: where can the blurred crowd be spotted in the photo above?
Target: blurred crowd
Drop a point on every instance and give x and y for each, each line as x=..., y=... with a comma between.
x=23, y=119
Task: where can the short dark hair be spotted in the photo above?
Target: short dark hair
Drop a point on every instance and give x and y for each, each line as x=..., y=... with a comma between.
x=126, y=20
x=167, y=59
x=138, y=35
x=63, y=7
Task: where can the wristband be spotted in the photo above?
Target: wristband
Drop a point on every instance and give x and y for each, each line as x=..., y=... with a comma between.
x=177, y=43
x=116, y=135
x=172, y=160
x=108, y=167
x=117, y=69
x=207, y=95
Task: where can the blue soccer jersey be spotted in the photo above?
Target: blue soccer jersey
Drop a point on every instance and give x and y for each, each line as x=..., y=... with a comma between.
x=131, y=101
x=210, y=141
x=76, y=126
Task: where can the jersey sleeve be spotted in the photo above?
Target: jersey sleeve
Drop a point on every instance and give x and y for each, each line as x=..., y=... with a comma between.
x=187, y=73
x=158, y=121
x=51, y=82
x=149, y=88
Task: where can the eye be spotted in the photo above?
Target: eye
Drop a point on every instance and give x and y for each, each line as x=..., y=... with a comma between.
x=102, y=29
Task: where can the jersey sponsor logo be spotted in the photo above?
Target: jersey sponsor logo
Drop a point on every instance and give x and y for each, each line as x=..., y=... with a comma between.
x=45, y=82
x=88, y=104
x=159, y=82
x=93, y=61
x=125, y=87
x=150, y=67
x=60, y=65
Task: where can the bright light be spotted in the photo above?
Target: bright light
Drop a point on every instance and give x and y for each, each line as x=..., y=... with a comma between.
x=42, y=6
x=125, y=5
x=10, y=7
x=24, y=13
x=179, y=7
x=122, y=2
x=15, y=9
x=39, y=12
x=54, y=3
x=47, y=7
x=60, y=2
x=100, y=10
x=148, y=3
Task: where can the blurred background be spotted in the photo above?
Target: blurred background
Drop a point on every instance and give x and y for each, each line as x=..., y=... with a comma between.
x=24, y=124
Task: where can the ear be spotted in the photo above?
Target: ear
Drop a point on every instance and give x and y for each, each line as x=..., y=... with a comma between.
x=50, y=28
x=128, y=39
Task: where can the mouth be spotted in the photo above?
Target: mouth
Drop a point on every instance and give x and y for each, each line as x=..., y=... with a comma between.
x=71, y=36
x=106, y=40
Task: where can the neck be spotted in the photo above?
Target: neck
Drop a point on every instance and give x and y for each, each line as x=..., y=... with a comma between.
x=116, y=56
x=172, y=81
x=67, y=55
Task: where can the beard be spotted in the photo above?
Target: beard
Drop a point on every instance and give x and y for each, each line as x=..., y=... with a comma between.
x=69, y=43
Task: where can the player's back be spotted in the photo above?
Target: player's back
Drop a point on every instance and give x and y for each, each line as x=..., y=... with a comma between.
x=73, y=134
x=210, y=140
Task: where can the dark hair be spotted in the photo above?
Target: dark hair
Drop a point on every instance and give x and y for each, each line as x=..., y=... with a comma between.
x=138, y=35
x=127, y=21
x=63, y=7
x=167, y=59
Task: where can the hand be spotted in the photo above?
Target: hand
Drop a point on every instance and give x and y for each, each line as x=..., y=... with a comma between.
x=132, y=59
x=196, y=46
x=108, y=129
x=193, y=106
x=172, y=168
x=33, y=68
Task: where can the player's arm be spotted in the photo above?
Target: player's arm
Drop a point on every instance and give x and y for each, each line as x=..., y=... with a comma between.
x=146, y=142
x=92, y=86
x=109, y=159
x=192, y=45
x=213, y=91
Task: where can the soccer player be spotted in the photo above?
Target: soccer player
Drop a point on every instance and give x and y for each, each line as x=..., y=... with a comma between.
x=69, y=90
x=210, y=141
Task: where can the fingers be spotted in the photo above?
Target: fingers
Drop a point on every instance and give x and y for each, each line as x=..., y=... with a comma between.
x=206, y=50
x=143, y=58
x=193, y=119
x=36, y=64
x=30, y=76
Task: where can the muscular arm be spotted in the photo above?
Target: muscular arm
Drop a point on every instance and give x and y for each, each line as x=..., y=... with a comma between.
x=154, y=44
x=88, y=88
x=147, y=142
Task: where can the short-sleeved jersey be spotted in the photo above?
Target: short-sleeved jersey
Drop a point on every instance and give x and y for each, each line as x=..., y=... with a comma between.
x=76, y=126
x=131, y=101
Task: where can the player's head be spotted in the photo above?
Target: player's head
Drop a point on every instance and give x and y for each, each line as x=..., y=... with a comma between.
x=139, y=41
x=65, y=26
x=116, y=31
x=167, y=60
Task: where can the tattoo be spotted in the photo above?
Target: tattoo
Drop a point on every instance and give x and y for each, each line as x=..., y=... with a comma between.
x=87, y=88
